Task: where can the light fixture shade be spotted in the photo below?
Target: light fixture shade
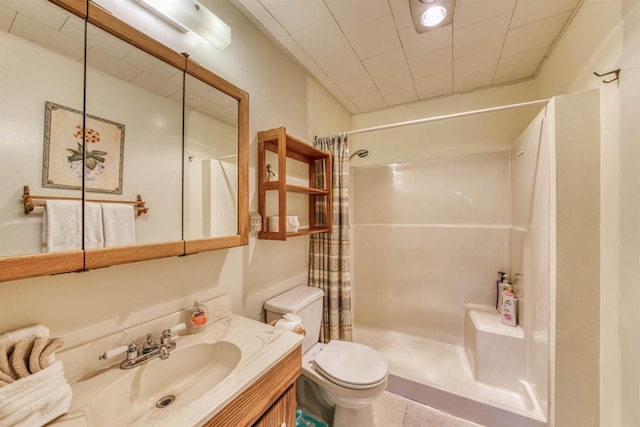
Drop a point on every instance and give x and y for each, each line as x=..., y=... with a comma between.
x=423, y=16
x=191, y=15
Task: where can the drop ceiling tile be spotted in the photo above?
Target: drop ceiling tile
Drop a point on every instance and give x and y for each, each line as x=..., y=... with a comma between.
x=6, y=17
x=154, y=84
x=520, y=65
x=356, y=85
x=481, y=62
x=416, y=44
x=401, y=14
x=322, y=40
x=44, y=12
x=317, y=72
x=369, y=101
x=43, y=35
x=398, y=98
x=108, y=64
x=528, y=11
x=472, y=81
x=533, y=36
x=73, y=27
x=374, y=38
x=434, y=85
x=106, y=42
x=254, y=9
x=386, y=64
x=342, y=67
x=397, y=83
x=469, y=12
x=276, y=30
x=356, y=13
x=149, y=63
x=295, y=18
x=431, y=63
x=486, y=35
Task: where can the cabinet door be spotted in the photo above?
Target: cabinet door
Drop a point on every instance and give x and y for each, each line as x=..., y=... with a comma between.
x=282, y=413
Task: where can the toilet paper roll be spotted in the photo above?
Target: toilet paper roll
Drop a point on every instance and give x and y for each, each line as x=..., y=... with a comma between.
x=292, y=223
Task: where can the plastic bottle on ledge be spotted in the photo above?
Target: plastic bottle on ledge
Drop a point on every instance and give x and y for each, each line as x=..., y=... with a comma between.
x=502, y=287
x=198, y=318
x=509, y=308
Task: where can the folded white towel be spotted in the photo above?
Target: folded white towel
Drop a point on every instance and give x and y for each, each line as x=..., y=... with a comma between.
x=119, y=224
x=93, y=228
x=36, y=331
x=62, y=225
x=35, y=399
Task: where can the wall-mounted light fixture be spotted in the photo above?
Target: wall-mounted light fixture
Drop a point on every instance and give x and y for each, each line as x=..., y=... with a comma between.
x=191, y=15
x=431, y=14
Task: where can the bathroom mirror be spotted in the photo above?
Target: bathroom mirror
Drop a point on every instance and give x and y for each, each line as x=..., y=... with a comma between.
x=133, y=146
x=160, y=72
x=42, y=49
x=216, y=164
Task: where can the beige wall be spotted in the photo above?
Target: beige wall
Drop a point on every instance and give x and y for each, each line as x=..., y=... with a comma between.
x=84, y=306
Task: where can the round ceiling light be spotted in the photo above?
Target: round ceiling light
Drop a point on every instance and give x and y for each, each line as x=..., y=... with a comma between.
x=433, y=16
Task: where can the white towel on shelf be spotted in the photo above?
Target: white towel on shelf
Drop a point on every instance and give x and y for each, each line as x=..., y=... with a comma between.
x=93, y=228
x=119, y=224
x=35, y=399
x=62, y=225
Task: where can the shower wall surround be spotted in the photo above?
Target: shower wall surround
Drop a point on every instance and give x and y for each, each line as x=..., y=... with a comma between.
x=429, y=236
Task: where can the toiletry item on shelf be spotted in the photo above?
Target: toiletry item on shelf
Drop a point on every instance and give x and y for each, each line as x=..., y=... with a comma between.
x=502, y=287
x=500, y=277
x=509, y=308
x=197, y=318
x=518, y=293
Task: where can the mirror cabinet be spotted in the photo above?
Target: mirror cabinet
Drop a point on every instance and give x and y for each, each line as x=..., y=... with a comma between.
x=144, y=150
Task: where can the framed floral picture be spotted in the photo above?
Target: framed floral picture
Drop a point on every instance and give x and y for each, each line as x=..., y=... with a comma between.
x=63, y=151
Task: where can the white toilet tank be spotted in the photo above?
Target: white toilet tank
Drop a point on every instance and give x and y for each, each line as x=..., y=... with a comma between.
x=306, y=302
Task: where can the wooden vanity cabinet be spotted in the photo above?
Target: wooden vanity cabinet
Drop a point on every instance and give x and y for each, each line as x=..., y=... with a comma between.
x=269, y=402
x=282, y=413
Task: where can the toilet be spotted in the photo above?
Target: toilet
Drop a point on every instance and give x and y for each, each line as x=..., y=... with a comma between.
x=340, y=380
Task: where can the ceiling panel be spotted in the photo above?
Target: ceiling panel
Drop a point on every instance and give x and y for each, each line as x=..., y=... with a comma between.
x=368, y=54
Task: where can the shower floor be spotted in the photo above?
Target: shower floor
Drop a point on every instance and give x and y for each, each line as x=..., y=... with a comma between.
x=437, y=374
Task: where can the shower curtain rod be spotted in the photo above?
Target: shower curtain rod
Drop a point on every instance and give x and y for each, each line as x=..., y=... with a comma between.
x=447, y=116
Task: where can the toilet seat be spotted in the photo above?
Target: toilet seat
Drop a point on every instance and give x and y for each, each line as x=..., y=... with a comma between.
x=351, y=365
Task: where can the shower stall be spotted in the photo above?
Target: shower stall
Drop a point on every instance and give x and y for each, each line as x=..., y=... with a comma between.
x=430, y=236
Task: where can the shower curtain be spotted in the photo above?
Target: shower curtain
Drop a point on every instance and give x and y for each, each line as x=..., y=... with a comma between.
x=329, y=260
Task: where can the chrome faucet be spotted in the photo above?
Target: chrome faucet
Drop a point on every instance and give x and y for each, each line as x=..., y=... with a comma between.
x=150, y=349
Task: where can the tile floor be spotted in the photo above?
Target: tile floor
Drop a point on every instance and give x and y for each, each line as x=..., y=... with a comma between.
x=392, y=410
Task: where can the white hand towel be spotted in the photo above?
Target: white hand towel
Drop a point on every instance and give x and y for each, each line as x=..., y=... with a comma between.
x=36, y=331
x=62, y=225
x=93, y=228
x=36, y=399
x=119, y=224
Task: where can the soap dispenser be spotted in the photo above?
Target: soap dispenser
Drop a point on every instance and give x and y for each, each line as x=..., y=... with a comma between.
x=198, y=317
x=502, y=287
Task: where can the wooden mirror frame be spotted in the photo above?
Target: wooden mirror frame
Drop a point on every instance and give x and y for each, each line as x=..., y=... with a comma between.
x=26, y=266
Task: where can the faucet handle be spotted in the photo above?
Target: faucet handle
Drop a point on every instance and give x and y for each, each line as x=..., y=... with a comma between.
x=132, y=351
x=177, y=328
x=113, y=352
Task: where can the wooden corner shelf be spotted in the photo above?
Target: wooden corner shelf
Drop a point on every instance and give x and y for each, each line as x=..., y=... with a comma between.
x=288, y=147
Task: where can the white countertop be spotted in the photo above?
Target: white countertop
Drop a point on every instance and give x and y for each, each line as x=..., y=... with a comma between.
x=261, y=346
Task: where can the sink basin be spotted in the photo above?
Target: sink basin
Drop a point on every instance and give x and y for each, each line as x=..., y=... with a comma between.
x=146, y=394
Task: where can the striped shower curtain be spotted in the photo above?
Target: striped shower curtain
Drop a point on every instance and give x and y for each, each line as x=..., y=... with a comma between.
x=329, y=259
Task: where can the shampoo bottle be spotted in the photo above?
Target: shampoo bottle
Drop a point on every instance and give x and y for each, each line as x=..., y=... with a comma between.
x=502, y=287
x=509, y=308
x=198, y=317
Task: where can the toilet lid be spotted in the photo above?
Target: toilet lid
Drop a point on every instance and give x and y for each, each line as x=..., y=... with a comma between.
x=351, y=364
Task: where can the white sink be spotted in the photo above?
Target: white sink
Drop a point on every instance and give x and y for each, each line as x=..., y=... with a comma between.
x=131, y=398
x=204, y=373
